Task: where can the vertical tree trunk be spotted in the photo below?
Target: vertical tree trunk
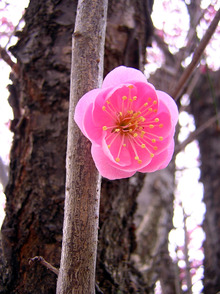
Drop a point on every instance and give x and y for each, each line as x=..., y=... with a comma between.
x=35, y=193
x=205, y=104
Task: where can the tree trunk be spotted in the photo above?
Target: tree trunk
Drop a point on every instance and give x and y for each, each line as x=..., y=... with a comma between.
x=35, y=193
x=205, y=103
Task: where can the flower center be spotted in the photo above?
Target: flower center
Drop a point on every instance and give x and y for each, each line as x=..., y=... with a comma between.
x=133, y=125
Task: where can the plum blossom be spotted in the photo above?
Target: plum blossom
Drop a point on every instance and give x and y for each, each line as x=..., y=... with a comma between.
x=129, y=123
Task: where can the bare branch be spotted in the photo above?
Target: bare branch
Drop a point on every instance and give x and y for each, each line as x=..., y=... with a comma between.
x=6, y=57
x=42, y=261
x=80, y=232
x=198, y=53
x=198, y=131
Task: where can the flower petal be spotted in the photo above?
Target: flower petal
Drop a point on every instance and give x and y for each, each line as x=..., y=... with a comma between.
x=160, y=161
x=171, y=105
x=123, y=75
x=104, y=165
x=82, y=106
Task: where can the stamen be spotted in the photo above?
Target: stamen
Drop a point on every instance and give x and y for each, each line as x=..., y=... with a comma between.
x=119, y=151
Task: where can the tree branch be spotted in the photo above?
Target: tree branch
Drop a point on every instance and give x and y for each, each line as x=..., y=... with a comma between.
x=198, y=53
x=41, y=260
x=80, y=232
x=198, y=131
x=5, y=56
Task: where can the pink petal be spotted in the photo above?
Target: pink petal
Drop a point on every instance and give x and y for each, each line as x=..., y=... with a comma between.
x=123, y=75
x=171, y=105
x=82, y=107
x=161, y=160
x=104, y=165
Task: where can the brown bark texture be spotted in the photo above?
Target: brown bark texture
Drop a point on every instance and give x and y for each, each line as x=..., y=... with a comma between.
x=35, y=193
x=205, y=104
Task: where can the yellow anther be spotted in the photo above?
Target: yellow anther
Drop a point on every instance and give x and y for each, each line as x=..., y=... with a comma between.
x=130, y=86
x=149, y=99
x=130, y=100
x=156, y=119
x=145, y=104
x=124, y=145
x=135, y=135
x=160, y=125
x=139, y=161
x=124, y=98
x=120, y=113
x=117, y=130
x=104, y=128
x=108, y=102
x=153, y=140
x=155, y=102
x=155, y=110
x=142, y=134
x=151, y=126
x=135, y=98
x=117, y=159
x=142, y=118
x=151, y=155
x=136, y=158
x=130, y=111
x=103, y=108
x=155, y=147
x=150, y=109
x=109, y=146
x=143, y=146
x=161, y=138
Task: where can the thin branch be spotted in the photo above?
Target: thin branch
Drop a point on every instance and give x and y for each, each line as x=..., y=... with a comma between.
x=42, y=261
x=198, y=53
x=198, y=131
x=80, y=229
x=6, y=57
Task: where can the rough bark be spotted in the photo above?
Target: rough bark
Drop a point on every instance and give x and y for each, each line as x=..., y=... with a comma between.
x=82, y=198
x=205, y=103
x=153, y=223
x=35, y=193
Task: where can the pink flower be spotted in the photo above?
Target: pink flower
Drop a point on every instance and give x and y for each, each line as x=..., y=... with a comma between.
x=130, y=124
